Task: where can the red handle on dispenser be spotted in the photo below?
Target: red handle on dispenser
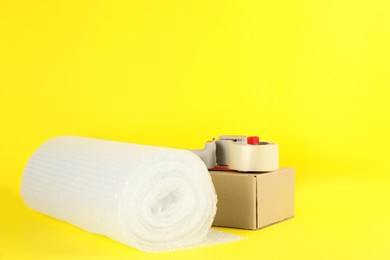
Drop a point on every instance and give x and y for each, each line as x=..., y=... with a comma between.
x=253, y=140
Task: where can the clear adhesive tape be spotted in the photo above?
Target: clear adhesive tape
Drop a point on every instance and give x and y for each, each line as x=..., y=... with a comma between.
x=244, y=157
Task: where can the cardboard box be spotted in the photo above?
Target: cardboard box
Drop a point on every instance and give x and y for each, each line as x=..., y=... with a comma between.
x=253, y=200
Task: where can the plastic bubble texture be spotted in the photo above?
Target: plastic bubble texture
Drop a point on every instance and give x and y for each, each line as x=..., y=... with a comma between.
x=150, y=198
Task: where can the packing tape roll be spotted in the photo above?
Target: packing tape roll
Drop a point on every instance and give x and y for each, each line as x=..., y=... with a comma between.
x=222, y=151
x=151, y=198
x=244, y=157
x=223, y=147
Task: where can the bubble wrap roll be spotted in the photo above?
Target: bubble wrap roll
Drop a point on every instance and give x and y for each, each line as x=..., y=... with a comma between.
x=151, y=198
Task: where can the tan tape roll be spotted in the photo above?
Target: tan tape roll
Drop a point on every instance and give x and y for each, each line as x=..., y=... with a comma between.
x=263, y=157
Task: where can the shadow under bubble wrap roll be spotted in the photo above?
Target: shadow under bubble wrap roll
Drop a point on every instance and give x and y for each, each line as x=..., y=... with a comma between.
x=151, y=198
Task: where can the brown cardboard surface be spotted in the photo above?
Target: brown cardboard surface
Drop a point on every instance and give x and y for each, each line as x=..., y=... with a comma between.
x=253, y=200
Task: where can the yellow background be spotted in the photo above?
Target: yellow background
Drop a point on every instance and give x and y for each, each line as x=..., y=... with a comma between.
x=310, y=75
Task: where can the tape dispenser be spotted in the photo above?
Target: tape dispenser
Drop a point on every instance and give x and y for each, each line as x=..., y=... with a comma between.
x=240, y=153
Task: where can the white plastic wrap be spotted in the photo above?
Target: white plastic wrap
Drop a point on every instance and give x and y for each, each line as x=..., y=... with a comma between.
x=151, y=198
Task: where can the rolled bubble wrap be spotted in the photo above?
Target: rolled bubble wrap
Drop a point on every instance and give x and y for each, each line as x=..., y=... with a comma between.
x=150, y=198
